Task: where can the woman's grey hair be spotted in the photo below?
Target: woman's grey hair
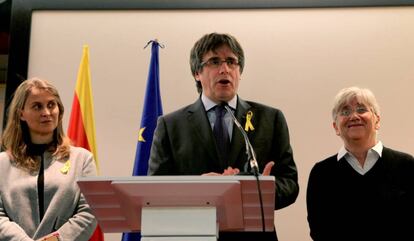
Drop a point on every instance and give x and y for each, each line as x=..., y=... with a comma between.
x=346, y=95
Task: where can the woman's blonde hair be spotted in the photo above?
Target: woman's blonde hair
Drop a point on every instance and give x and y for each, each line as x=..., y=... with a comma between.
x=16, y=134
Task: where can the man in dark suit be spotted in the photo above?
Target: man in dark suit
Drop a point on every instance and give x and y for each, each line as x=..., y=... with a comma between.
x=184, y=141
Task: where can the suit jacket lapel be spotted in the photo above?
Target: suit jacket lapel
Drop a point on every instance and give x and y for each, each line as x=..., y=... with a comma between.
x=197, y=118
x=237, y=143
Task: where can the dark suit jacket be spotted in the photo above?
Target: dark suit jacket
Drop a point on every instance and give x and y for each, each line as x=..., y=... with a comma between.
x=184, y=144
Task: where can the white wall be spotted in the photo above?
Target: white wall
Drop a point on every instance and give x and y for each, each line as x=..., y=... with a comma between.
x=296, y=60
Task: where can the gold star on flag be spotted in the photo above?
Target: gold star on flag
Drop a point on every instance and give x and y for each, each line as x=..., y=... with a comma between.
x=140, y=137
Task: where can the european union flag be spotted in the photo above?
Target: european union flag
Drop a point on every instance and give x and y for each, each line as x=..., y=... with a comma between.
x=152, y=110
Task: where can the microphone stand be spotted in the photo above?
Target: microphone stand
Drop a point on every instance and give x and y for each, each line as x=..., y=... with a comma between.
x=251, y=156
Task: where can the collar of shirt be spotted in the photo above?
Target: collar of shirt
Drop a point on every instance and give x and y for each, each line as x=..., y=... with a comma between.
x=372, y=157
x=208, y=103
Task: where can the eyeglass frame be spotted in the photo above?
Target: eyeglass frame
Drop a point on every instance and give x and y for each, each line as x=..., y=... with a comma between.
x=231, y=62
x=359, y=110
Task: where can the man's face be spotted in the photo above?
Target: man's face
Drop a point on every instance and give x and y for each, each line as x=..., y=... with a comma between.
x=220, y=75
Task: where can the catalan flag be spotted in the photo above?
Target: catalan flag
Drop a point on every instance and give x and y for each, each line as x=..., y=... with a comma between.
x=81, y=128
x=151, y=111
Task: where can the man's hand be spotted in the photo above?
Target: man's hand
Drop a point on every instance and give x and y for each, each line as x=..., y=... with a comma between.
x=268, y=168
x=229, y=171
x=234, y=171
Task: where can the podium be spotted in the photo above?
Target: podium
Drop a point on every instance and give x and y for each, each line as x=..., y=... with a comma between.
x=184, y=208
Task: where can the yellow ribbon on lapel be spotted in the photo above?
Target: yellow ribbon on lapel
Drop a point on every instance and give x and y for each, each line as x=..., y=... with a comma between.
x=249, y=126
x=65, y=167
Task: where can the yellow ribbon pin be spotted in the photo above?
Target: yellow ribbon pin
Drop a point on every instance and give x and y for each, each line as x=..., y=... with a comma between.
x=65, y=167
x=249, y=126
x=140, y=137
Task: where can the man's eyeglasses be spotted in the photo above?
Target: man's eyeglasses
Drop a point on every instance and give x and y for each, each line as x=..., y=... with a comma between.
x=216, y=62
x=348, y=111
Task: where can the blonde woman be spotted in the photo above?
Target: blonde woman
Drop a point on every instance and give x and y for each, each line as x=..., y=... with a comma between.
x=39, y=196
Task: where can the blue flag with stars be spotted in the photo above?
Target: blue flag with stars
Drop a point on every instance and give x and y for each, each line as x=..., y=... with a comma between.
x=151, y=111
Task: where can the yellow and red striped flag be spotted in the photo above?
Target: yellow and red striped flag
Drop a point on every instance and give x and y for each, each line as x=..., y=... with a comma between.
x=81, y=128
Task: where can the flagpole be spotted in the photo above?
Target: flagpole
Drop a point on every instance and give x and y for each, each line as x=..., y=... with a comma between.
x=152, y=109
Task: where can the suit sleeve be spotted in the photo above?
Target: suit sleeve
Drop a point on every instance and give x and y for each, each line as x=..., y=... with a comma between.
x=313, y=202
x=285, y=172
x=10, y=231
x=321, y=206
x=161, y=157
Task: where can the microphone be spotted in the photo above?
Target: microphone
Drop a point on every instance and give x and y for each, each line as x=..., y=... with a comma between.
x=251, y=155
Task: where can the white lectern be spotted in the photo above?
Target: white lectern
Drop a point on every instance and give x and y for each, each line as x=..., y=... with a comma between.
x=184, y=208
